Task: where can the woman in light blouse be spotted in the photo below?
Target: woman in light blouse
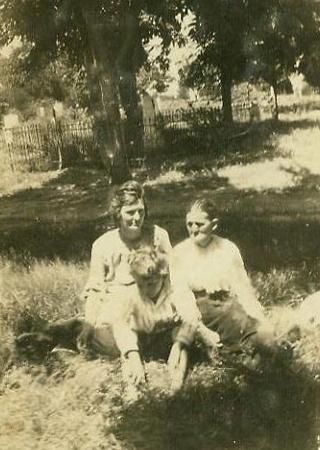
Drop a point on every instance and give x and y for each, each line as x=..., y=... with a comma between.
x=214, y=270
x=109, y=268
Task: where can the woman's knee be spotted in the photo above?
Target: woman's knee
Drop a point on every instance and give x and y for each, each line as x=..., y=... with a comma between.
x=91, y=310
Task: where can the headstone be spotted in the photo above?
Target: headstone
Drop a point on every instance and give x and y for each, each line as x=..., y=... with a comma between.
x=298, y=84
x=59, y=109
x=42, y=112
x=11, y=120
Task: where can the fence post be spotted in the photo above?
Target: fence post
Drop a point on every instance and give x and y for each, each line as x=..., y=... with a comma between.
x=57, y=124
x=8, y=139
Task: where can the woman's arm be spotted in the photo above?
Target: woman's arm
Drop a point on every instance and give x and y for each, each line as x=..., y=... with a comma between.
x=126, y=339
x=243, y=289
x=185, y=304
x=98, y=269
x=95, y=286
x=177, y=365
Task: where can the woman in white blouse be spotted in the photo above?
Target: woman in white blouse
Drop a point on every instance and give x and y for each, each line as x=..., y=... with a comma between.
x=110, y=276
x=109, y=268
x=213, y=269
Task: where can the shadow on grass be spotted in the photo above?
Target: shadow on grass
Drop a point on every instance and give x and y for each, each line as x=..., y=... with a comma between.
x=258, y=143
x=60, y=219
x=64, y=216
x=240, y=143
x=271, y=229
x=271, y=413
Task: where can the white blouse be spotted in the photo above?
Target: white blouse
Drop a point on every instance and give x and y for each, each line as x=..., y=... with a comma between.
x=109, y=268
x=218, y=266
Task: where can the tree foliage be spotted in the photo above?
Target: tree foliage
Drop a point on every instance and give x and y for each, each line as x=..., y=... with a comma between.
x=153, y=78
x=219, y=29
x=107, y=38
x=57, y=80
x=281, y=40
x=252, y=39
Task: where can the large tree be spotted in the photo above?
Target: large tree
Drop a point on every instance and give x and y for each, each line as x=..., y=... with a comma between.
x=283, y=39
x=107, y=38
x=309, y=59
x=219, y=28
x=245, y=39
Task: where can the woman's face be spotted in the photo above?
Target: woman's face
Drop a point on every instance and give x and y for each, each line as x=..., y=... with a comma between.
x=131, y=219
x=200, y=227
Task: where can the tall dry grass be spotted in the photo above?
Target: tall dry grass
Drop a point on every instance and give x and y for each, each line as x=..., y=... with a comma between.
x=47, y=290
x=68, y=402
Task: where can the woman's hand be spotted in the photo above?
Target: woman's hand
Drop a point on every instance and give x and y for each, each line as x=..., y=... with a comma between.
x=177, y=365
x=133, y=370
x=210, y=339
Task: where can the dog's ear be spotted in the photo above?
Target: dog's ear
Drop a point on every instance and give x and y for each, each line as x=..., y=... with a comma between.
x=294, y=333
x=34, y=346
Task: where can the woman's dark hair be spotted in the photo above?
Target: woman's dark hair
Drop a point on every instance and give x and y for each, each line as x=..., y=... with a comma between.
x=205, y=205
x=127, y=194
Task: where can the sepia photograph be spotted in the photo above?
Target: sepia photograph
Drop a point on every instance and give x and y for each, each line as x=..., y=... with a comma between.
x=160, y=225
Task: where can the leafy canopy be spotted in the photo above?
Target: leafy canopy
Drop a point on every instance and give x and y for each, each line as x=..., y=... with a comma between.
x=60, y=26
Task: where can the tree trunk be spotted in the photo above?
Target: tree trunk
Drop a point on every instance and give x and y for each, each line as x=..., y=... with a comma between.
x=275, y=113
x=103, y=80
x=129, y=59
x=226, y=86
x=133, y=125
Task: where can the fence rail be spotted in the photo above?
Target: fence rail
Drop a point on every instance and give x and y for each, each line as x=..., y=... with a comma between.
x=48, y=146
x=38, y=146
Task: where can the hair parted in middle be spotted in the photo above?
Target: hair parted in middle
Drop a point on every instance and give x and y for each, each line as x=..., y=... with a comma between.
x=128, y=193
x=147, y=262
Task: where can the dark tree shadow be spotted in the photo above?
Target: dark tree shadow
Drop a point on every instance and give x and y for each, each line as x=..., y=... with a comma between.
x=239, y=143
x=273, y=229
x=268, y=413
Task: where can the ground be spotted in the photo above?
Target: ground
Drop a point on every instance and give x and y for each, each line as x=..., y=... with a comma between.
x=265, y=185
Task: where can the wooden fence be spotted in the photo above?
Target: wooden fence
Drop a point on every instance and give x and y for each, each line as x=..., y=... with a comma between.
x=39, y=146
x=171, y=126
x=48, y=146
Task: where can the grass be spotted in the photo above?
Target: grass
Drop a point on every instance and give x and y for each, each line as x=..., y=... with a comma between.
x=59, y=411
x=15, y=181
x=48, y=290
x=266, y=197
x=48, y=222
x=73, y=403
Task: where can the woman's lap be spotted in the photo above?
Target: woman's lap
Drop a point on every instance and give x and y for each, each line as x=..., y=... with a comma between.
x=228, y=319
